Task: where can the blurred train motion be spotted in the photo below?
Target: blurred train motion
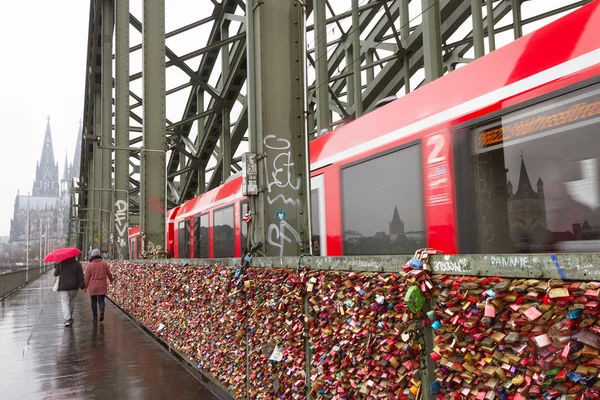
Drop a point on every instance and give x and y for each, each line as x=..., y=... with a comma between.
x=499, y=156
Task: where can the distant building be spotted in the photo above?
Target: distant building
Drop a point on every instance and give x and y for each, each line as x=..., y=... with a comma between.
x=48, y=205
x=396, y=226
x=527, y=213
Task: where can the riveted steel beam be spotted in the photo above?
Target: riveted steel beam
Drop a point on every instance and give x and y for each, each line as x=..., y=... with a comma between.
x=121, y=198
x=153, y=174
x=276, y=48
x=108, y=11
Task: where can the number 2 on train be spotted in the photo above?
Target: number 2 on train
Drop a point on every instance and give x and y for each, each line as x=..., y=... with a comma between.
x=436, y=141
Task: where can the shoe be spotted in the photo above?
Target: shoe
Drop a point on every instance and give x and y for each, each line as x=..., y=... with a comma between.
x=102, y=316
x=67, y=324
x=95, y=319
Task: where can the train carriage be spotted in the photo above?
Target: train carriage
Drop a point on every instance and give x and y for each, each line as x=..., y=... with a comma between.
x=499, y=156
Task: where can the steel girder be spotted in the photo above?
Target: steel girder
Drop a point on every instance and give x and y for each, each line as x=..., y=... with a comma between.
x=386, y=44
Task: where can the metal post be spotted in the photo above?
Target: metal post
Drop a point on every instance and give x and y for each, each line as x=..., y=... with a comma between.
x=356, y=61
x=404, y=34
x=106, y=91
x=201, y=164
x=277, y=122
x=370, y=71
x=432, y=46
x=477, y=28
x=516, y=13
x=121, y=203
x=153, y=159
x=226, y=155
x=27, y=247
x=97, y=171
x=85, y=228
x=490, y=25
x=349, y=78
x=322, y=88
x=40, y=236
x=47, y=246
x=428, y=373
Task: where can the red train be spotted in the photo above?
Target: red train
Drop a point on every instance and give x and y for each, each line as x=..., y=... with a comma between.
x=500, y=156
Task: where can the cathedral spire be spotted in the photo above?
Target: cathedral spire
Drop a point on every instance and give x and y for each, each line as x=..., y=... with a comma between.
x=524, y=188
x=46, y=175
x=66, y=168
x=47, y=149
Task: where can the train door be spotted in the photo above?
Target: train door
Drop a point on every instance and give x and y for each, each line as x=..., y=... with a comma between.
x=184, y=239
x=318, y=213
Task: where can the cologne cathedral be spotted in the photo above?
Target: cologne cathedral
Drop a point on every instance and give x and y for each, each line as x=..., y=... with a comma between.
x=47, y=207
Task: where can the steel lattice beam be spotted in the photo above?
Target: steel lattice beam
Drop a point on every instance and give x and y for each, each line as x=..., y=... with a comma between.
x=382, y=42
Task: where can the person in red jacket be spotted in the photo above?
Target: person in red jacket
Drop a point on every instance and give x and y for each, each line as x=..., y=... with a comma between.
x=96, y=273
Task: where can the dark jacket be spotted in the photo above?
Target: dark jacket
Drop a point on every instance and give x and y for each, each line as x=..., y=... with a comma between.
x=71, y=275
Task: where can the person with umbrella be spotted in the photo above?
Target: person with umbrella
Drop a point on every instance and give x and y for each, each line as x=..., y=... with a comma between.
x=96, y=274
x=70, y=279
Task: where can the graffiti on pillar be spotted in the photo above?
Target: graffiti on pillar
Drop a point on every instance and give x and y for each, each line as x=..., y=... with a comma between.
x=155, y=205
x=277, y=235
x=121, y=208
x=280, y=177
x=280, y=173
x=152, y=249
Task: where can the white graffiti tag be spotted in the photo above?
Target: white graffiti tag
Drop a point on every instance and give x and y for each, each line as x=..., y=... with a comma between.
x=121, y=220
x=280, y=238
x=281, y=175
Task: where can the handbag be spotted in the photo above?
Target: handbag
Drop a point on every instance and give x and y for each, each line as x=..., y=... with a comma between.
x=57, y=282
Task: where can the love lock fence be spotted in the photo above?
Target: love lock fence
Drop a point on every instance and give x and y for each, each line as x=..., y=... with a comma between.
x=431, y=326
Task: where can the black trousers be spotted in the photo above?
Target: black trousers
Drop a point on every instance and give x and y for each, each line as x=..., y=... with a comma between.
x=98, y=299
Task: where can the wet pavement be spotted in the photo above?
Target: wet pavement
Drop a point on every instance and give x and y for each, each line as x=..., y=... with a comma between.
x=41, y=359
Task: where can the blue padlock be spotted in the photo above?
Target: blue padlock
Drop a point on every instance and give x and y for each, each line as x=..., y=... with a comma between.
x=574, y=314
x=416, y=262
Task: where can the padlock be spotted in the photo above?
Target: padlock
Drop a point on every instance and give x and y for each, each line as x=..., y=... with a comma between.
x=489, y=310
x=416, y=262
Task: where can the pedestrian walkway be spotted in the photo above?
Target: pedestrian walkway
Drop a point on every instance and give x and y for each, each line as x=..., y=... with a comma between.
x=41, y=359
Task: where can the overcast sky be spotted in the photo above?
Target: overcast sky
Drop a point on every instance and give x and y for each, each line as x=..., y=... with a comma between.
x=42, y=74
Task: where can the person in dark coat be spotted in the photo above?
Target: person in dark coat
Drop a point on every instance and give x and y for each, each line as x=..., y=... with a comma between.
x=96, y=274
x=71, y=280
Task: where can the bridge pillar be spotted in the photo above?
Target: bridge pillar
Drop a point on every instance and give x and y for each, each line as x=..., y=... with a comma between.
x=432, y=39
x=201, y=164
x=476, y=13
x=106, y=123
x=226, y=155
x=121, y=198
x=97, y=171
x=153, y=154
x=322, y=87
x=277, y=122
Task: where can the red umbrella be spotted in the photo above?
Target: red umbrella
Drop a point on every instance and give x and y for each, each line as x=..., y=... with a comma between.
x=59, y=255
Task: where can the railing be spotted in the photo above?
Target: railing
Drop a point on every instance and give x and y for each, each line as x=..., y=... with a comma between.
x=284, y=330
x=11, y=281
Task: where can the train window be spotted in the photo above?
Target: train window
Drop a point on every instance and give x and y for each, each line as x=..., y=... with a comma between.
x=534, y=177
x=184, y=239
x=223, y=232
x=383, y=209
x=201, y=244
x=244, y=225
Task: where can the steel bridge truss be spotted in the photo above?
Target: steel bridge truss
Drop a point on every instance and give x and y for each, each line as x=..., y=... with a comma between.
x=360, y=55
